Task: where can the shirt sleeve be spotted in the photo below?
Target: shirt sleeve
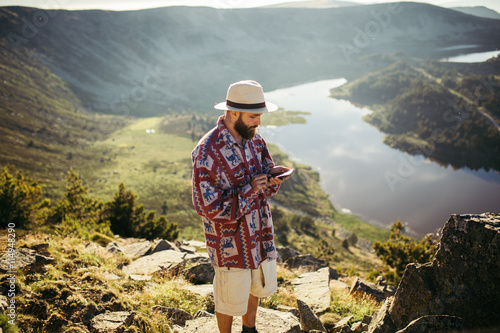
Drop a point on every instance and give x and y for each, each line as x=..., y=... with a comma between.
x=267, y=165
x=211, y=200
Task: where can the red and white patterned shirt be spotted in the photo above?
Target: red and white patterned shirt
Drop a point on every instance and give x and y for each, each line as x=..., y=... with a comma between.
x=237, y=220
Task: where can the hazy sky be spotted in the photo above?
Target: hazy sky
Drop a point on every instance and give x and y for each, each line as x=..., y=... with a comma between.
x=139, y=4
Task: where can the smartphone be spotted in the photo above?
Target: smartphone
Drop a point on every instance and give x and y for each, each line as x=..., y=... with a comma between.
x=281, y=175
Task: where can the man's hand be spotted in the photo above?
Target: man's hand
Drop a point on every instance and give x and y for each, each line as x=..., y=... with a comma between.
x=276, y=180
x=259, y=182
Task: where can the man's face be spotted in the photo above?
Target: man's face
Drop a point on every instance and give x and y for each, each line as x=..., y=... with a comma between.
x=247, y=124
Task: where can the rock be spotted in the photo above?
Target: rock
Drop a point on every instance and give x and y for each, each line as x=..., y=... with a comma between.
x=155, y=262
x=187, y=248
x=357, y=327
x=381, y=321
x=199, y=273
x=201, y=289
x=268, y=321
x=313, y=288
x=140, y=277
x=339, y=286
x=305, y=261
x=26, y=259
x=461, y=281
x=292, y=310
x=434, y=324
x=111, y=322
x=4, y=303
x=203, y=314
x=361, y=288
x=342, y=325
x=163, y=245
x=113, y=248
x=285, y=253
x=177, y=316
x=367, y=319
x=196, y=244
x=308, y=320
x=137, y=250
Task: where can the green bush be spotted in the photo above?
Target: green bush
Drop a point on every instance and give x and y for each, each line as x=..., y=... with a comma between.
x=401, y=250
x=20, y=199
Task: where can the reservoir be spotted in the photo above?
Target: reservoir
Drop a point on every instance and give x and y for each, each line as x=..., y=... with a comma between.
x=367, y=178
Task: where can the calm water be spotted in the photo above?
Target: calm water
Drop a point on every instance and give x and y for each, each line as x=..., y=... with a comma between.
x=473, y=57
x=368, y=178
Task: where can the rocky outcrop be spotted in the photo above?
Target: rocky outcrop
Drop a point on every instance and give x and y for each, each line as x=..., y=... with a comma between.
x=462, y=281
x=267, y=321
x=313, y=288
x=308, y=320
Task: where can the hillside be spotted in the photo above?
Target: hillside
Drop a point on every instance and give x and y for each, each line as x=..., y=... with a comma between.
x=43, y=127
x=448, y=112
x=152, y=62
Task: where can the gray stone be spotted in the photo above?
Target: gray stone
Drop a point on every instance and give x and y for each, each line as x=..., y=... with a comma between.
x=381, y=321
x=196, y=244
x=285, y=253
x=113, y=247
x=313, y=288
x=26, y=259
x=199, y=274
x=203, y=314
x=187, y=248
x=4, y=303
x=176, y=316
x=291, y=309
x=357, y=327
x=339, y=286
x=361, y=288
x=308, y=320
x=268, y=321
x=155, y=262
x=163, y=245
x=140, y=277
x=111, y=322
x=342, y=325
x=201, y=289
x=136, y=250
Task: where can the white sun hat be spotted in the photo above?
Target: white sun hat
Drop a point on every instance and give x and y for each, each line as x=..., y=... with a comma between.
x=246, y=96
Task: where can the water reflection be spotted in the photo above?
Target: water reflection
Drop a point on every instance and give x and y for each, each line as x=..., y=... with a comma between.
x=364, y=175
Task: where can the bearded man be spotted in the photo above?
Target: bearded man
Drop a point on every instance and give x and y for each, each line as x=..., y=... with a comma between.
x=233, y=175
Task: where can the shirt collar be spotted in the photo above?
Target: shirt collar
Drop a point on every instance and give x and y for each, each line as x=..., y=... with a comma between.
x=226, y=135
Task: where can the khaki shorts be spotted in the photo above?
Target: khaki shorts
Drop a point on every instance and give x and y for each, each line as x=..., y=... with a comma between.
x=233, y=286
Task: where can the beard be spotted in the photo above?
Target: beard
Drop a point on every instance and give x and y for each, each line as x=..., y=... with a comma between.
x=245, y=131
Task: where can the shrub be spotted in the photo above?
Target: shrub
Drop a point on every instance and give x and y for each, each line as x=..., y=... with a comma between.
x=20, y=199
x=401, y=250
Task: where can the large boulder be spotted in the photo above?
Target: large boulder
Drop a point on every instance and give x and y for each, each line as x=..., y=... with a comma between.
x=462, y=280
x=314, y=289
x=308, y=320
x=155, y=262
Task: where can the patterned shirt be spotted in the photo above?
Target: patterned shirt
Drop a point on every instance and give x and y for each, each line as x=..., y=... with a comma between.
x=237, y=220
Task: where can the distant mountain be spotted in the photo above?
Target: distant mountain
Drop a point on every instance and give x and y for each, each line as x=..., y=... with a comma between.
x=480, y=11
x=314, y=4
x=156, y=61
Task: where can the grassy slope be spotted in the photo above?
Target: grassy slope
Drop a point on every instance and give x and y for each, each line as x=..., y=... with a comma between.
x=43, y=130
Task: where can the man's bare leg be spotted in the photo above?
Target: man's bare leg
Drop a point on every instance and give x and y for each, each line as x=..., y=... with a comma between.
x=224, y=322
x=250, y=317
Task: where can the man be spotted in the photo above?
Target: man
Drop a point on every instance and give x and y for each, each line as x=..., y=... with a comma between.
x=231, y=184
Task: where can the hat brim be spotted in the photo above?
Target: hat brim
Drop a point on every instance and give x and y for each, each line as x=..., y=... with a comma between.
x=270, y=107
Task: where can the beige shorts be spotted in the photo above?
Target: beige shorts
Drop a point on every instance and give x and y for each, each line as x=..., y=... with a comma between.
x=233, y=286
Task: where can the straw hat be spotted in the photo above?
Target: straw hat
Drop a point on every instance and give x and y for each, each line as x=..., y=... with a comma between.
x=246, y=96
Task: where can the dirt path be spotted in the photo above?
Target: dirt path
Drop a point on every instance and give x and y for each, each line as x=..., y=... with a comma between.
x=481, y=110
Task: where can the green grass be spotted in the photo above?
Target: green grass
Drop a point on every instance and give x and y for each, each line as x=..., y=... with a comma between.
x=282, y=117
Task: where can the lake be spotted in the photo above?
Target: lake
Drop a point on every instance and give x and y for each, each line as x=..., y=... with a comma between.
x=367, y=178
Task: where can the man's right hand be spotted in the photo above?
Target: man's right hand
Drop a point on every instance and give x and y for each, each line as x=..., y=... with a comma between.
x=259, y=182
